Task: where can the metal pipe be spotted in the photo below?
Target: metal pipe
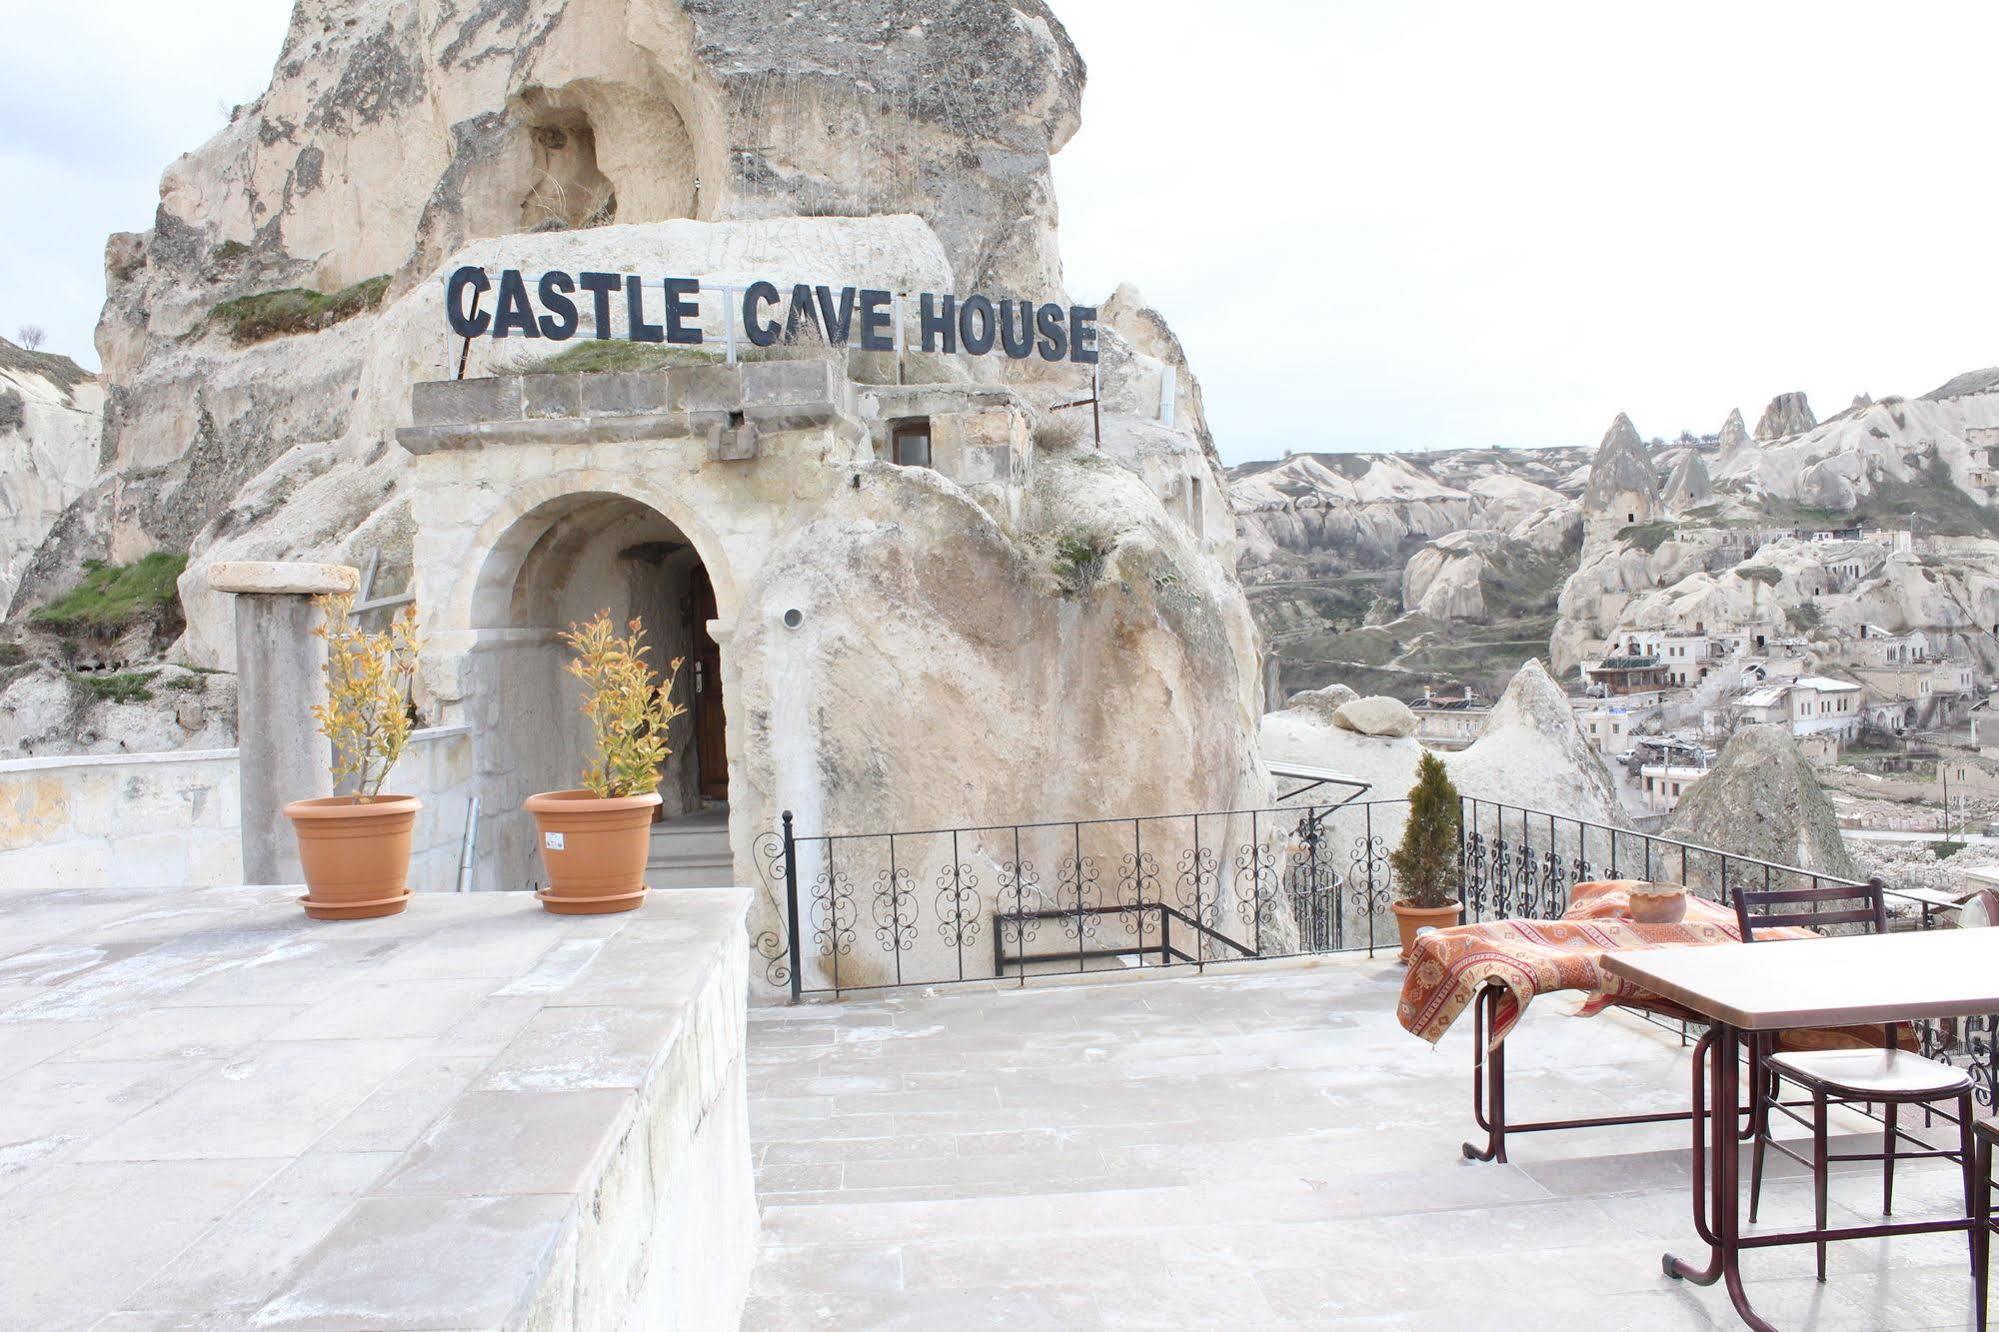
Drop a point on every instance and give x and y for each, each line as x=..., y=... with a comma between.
x=467, y=844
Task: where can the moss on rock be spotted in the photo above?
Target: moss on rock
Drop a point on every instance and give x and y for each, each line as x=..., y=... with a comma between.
x=114, y=597
x=290, y=310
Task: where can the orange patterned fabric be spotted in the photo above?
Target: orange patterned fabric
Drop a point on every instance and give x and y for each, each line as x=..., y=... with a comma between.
x=1447, y=969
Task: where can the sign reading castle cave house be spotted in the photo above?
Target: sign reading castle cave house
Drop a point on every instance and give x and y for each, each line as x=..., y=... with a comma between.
x=561, y=305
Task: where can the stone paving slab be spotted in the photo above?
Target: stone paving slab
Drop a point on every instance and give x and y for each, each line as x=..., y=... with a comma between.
x=216, y=1113
x=1261, y=1149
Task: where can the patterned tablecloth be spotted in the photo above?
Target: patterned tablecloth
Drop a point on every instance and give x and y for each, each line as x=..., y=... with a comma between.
x=1447, y=969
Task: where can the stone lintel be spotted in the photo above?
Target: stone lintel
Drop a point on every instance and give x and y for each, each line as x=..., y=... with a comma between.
x=665, y=427
x=297, y=578
x=626, y=405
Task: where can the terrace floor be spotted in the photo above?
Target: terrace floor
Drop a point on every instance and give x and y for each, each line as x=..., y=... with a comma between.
x=1263, y=1148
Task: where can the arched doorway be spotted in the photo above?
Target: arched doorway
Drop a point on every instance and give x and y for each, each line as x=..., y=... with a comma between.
x=557, y=565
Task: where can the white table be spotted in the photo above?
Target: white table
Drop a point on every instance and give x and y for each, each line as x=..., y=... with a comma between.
x=1780, y=986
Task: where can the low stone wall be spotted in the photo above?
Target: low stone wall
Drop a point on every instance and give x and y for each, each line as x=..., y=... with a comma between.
x=473, y=1114
x=437, y=769
x=120, y=821
x=172, y=819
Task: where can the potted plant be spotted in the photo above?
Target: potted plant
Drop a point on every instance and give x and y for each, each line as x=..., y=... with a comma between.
x=1426, y=865
x=355, y=848
x=594, y=840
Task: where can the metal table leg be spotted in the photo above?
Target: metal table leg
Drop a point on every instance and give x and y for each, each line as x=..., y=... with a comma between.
x=1717, y=1190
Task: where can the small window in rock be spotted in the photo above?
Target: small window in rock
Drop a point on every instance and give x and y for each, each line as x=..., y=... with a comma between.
x=909, y=444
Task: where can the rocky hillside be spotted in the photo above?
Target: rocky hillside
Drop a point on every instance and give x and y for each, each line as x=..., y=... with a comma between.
x=261, y=339
x=1702, y=533
x=51, y=413
x=1392, y=571
x=392, y=136
x=1389, y=571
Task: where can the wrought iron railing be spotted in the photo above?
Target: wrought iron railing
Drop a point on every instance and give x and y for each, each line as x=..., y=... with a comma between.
x=1007, y=902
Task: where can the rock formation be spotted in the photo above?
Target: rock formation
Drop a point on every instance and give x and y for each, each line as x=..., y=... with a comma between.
x=1030, y=627
x=1788, y=414
x=1316, y=511
x=1337, y=546
x=1894, y=464
x=1689, y=486
x=1445, y=578
x=47, y=711
x=1761, y=799
x=392, y=136
x=51, y=412
x=1323, y=703
x=1376, y=716
x=1737, y=451
x=1533, y=753
x=1623, y=484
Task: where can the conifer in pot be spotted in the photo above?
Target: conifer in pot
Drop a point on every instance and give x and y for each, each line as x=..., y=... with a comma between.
x=1427, y=865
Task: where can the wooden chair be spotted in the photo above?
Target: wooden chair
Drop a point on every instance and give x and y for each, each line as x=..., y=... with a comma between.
x=1885, y=1074
x=1983, y=1227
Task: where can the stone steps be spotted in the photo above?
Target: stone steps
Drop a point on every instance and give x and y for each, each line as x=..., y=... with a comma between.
x=691, y=853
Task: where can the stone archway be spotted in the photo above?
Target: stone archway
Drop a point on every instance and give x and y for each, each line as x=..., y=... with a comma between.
x=555, y=562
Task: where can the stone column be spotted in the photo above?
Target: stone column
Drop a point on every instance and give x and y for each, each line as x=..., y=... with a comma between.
x=280, y=674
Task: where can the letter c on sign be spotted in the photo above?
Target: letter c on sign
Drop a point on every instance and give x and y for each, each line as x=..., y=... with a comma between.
x=464, y=323
x=762, y=332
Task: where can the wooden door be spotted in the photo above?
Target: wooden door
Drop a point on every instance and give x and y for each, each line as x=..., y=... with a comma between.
x=711, y=754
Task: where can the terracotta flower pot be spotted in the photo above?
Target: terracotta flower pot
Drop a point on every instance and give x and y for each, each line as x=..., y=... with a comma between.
x=1658, y=904
x=356, y=856
x=1409, y=919
x=594, y=849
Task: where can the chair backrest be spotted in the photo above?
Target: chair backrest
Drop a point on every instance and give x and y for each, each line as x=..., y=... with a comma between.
x=1832, y=904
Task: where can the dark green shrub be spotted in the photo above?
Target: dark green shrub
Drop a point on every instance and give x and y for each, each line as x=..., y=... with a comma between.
x=1426, y=865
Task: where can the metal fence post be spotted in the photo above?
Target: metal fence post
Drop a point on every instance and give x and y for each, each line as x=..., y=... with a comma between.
x=791, y=906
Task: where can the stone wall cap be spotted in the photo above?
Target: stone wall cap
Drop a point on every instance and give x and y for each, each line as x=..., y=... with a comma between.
x=302, y=578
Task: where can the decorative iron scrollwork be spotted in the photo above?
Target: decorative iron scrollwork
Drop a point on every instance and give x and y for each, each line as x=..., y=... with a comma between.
x=1196, y=886
x=1138, y=893
x=777, y=958
x=1076, y=891
x=1370, y=876
x=895, y=910
x=832, y=913
x=1256, y=884
x=958, y=905
x=1019, y=892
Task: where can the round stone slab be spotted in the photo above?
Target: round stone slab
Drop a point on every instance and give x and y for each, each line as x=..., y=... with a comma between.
x=301, y=578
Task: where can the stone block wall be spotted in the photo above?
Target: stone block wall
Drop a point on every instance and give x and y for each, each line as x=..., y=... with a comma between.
x=437, y=769
x=706, y=402
x=172, y=819
x=120, y=821
x=670, y=1230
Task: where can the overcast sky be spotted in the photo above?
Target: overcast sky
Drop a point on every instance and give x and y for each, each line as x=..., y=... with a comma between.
x=1374, y=225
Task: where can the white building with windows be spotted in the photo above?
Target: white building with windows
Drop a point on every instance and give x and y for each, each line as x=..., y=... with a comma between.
x=1613, y=724
x=1662, y=784
x=1893, y=649
x=1808, y=704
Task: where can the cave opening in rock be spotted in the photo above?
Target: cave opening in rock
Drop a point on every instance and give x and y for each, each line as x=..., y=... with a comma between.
x=560, y=564
x=569, y=189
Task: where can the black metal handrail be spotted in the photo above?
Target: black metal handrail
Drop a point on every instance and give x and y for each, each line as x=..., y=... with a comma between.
x=863, y=911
